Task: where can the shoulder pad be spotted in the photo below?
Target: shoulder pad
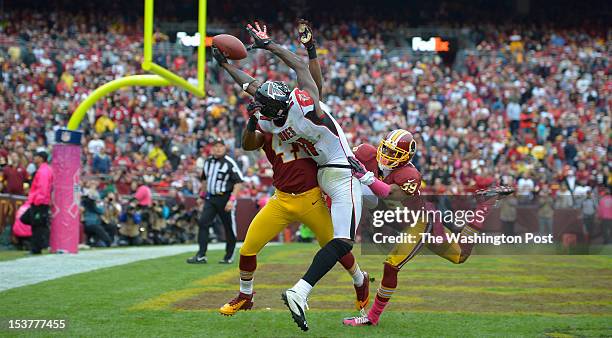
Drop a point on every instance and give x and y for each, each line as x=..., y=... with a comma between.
x=365, y=152
x=302, y=97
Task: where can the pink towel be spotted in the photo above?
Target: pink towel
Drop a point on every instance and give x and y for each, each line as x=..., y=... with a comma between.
x=20, y=229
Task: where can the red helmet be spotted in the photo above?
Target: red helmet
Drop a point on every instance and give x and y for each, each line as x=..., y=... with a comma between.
x=396, y=149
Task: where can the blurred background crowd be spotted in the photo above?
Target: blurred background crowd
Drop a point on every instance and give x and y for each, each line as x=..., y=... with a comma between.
x=521, y=103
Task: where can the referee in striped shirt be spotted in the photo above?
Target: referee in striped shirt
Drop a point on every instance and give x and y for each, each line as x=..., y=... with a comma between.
x=221, y=178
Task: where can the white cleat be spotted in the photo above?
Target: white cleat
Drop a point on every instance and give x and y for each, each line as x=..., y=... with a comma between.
x=297, y=306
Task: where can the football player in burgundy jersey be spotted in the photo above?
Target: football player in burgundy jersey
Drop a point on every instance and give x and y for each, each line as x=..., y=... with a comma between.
x=298, y=198
x=298, y=118
x=389, y=174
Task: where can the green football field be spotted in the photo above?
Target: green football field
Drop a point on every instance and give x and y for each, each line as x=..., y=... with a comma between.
x=555, y=296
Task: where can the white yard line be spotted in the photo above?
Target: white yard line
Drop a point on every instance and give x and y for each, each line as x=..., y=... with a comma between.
x=32, y=270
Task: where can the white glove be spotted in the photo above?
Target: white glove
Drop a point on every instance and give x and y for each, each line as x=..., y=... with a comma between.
x=367, y=178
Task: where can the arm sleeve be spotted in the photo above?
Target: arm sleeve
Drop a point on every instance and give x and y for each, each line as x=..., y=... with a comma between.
x=34, y=188
x=236, y=173
x=304, y=100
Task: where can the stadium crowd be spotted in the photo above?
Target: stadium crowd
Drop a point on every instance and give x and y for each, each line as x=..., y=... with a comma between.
x=527, y=107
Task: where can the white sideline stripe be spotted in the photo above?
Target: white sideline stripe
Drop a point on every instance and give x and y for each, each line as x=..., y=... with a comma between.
x=33, y=270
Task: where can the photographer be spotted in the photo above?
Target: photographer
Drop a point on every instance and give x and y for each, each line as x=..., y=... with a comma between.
x=129, y=230
x=110, y=218
x=156, y=222
x=92, y=219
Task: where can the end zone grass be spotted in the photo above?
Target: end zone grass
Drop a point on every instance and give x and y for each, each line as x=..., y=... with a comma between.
x=488, y=295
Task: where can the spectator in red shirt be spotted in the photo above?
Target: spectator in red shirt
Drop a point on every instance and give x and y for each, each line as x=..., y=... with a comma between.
x=15, y=175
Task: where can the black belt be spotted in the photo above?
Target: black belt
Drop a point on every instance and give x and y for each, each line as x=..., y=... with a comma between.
x=343, y=166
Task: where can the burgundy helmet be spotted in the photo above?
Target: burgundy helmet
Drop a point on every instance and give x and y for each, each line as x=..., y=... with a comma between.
x=396, y=150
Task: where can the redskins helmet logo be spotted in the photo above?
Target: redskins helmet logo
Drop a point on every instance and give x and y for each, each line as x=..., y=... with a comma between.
x=396, y=150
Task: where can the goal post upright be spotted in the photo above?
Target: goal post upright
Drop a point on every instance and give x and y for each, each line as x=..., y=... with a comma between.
x=202, y=45
x=148, y=34
x=164, y=76
x=150, y=66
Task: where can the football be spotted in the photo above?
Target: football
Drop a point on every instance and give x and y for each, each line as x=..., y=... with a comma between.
x=230, y=46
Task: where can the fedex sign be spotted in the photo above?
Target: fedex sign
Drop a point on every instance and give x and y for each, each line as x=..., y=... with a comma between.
x=435, y=44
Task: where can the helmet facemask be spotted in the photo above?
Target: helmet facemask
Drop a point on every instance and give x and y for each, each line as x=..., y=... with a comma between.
x=391, y=157
x=274, y=96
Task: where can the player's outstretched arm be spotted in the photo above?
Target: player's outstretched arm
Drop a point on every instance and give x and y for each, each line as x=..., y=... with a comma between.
x=247, y=82
x=304, y=79
x=306, y=37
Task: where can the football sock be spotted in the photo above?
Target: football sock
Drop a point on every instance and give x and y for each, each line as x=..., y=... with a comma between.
x=247, y=266
x=325, y=259
x=377, y=309
x=357, y=276
x=302, y=288
x=246, y=286
x=348, y=262
x=385, y=291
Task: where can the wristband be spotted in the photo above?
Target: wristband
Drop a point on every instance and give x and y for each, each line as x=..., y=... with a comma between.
x=232, y=198
x=312, y=52
x=252, y=123
x=367, y=178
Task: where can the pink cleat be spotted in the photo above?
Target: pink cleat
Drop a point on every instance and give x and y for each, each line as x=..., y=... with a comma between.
x=357, y=321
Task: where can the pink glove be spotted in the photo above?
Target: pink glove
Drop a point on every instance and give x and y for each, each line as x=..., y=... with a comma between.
x=378, y=187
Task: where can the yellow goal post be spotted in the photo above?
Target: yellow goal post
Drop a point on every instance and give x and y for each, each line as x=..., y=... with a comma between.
x=160, y=77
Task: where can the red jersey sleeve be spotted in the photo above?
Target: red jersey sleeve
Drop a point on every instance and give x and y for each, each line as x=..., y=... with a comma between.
x=303, y=98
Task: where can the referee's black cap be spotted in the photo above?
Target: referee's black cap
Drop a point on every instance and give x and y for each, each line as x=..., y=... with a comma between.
x=218, y=140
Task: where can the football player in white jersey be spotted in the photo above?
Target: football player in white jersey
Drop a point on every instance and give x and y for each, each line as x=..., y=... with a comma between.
x=297, y=117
